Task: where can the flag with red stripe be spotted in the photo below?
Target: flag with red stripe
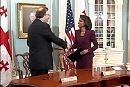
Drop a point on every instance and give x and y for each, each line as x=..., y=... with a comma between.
x=82, y=7
x=69, y=29
x=5, y=52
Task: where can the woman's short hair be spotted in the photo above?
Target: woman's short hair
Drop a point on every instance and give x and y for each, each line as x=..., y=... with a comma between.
x=87, y=21
x=41, y=12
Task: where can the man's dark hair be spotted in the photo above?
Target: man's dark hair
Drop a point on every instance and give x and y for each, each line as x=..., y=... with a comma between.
x=41, y=12
x=87, y=21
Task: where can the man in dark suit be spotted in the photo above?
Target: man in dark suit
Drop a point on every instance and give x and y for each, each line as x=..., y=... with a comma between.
x=39, y=41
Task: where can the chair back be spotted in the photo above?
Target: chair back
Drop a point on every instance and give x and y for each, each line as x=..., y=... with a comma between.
x=22, y=65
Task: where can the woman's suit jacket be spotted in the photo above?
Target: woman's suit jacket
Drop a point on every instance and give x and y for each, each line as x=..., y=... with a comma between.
x=84, y=42
x=39, y=41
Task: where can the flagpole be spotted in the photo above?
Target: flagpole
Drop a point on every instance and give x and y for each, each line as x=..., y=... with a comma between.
x=11, y=36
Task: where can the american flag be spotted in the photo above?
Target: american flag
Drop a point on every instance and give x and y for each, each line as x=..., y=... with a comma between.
x=69, y=29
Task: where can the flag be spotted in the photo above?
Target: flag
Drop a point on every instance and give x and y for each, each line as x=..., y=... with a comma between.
x=80, y=10
x=69, y=28
x=5, y=52
x=82, y=7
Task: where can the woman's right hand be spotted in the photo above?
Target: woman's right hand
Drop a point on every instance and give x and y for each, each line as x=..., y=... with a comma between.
x=84, y=52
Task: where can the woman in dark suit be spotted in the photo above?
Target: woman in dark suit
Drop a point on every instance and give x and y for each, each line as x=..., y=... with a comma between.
x=83, y=38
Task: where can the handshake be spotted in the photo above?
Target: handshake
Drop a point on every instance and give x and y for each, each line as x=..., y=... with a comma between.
x=69, y=48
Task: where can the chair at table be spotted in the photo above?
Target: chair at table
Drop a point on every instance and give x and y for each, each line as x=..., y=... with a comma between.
x=22, y=65
x=23, y=68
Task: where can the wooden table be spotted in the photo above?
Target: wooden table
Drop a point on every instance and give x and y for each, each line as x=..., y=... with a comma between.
x=86, y=78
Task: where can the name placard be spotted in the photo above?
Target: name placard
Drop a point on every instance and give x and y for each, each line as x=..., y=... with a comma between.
x=105, y=73
x=69, y=79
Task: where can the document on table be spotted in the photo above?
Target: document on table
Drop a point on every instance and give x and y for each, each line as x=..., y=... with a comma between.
x=117, y=68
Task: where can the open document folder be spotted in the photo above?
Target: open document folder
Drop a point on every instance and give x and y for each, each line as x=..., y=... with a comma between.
x=75, y=55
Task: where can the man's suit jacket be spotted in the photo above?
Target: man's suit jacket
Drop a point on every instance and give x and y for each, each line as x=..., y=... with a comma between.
x=39, y=41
